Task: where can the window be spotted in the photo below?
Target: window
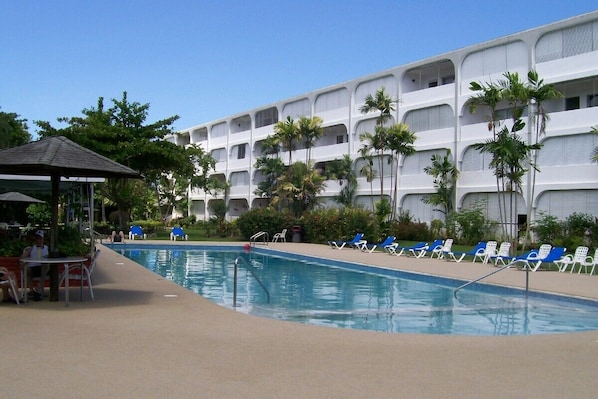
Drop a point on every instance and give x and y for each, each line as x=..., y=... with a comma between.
x=593, y=100
x=448, y=80
x=571, y=103
x=433, y=83
x=241, y=151
x=340, y=139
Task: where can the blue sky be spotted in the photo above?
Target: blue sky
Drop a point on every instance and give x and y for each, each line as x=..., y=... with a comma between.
x=204, y=60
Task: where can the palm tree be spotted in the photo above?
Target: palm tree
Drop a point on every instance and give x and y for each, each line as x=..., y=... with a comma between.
x=399, y=141
x=367, y=170
x=271, y=145
x=299, y=187
x=381, y=102
x=310, y=129
x=488, y=95
x=445, y=175
x=287, y=134
x=384, y=104
x=377, y=143
x=271, y=169
x=342, y=170
x=538, y=93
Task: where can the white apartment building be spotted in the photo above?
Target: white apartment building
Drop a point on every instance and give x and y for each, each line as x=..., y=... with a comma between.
x=433, y=96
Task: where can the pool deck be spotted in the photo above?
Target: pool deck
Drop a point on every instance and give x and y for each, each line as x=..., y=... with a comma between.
x=147, y=337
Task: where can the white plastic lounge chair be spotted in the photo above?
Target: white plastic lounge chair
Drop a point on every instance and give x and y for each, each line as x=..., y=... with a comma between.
x=479, y=248
x=358, y=239
x=177, y=232
x=590, y=262
x=282, y=236
x=82, y=273
x=533, y=259
x=400, y=250
x=571, y=260
x=442, y=251
x=428, y=249
x=365, y=247
x=503, y=255
x=489, y=250
x=136, y=231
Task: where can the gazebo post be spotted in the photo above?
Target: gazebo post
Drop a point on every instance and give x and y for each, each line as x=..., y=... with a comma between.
x=53, y=238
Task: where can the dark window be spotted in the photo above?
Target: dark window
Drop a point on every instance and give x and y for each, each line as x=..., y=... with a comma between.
x=571, y=103
x=241, y=152
x=433, y=83
x=593, y=100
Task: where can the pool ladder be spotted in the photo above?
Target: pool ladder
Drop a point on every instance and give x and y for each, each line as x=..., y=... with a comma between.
x=494, y=272
x=250, y=269
x=263, y=235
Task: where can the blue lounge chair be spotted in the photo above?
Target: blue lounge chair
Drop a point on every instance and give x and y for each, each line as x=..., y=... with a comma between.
x=136, y=231
x=177, y=232
x=358, y=239
x=459, y=256
x=365, y=247
x=428, y=249
x=398, y=250
x=533, y=258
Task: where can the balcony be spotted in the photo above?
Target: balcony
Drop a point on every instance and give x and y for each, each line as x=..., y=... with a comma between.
x=428, y=95
x=575, y=67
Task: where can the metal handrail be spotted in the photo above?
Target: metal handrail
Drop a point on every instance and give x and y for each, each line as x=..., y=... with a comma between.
x=494, y=272
x=250, y=269
x=263, y=234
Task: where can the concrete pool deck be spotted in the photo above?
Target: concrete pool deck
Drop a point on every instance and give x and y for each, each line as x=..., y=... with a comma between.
x=147, y=337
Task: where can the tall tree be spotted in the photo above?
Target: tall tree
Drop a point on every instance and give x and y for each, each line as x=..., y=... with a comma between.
x=299, y=187
x=342, y=171
x=384, y=104
x=538, y=93
x=368, y=171
x=400, y=142
x=511, y=155
x=288, y=135
x=445, y=175
x=310, y=129
x=121, y=134
x=13, y=130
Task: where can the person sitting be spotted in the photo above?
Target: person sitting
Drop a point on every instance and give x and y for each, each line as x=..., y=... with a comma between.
x=11, y=282
x=36, y=270
x=120, y=237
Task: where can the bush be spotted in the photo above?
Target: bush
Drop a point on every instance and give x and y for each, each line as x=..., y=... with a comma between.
x=547, y=228
x=263, y=219
x=471, y=225
x=409, y=231
x=322, y=225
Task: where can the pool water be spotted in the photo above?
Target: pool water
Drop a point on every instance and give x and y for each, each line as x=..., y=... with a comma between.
x=337, y=294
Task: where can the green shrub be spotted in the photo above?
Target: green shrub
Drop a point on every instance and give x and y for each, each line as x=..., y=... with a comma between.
x=263, y=219
x=471, y=225
x=547, y=228
x=322, y=225
x=409, y=231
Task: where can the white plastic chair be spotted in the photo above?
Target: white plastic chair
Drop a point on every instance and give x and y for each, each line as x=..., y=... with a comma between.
x=8, y=279
x=84, y=274
x=282, y=236
x=488, y=251
x=578, y=258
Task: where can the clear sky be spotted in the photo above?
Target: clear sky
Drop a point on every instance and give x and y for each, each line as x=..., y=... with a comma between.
x=204, y=60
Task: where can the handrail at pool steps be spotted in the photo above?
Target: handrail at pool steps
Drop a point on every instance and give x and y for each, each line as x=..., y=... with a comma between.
x=263, y=234
x=505, y=267
x=250, y=269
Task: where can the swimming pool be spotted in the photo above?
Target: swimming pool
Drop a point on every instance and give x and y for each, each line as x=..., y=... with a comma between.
x=339, y=294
